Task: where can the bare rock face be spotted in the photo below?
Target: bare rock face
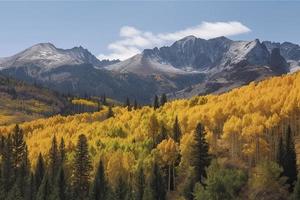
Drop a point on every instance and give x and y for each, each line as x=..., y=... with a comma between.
x=188, y=67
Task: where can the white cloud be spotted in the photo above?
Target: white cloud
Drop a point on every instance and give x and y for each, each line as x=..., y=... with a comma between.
x=133, y=41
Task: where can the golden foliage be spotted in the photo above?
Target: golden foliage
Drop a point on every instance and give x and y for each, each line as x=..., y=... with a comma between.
x=238, y=118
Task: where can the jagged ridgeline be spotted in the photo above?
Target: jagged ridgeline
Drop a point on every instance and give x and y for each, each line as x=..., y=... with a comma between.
x=21, y=102
x=245, y=122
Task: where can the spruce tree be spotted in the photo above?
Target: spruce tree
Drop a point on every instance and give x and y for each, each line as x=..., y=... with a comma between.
x=44, y=191
x=140, y=184
x=110, y=113
x=60, y=186
x=155, y=103
x=127, y=104
x=104, y=100
x=39, y=171
x=280, y=152
x=2, y=144
x=290, y=162
x=82, y=168
x=62, y=152
x=18, y=148
x=156, y=184
x=163, y=99
x=296, y=193
x=201, y=157
x=176, y=131
x=121, y=190
x=135, y=104
x=99, y=187
x=14, y=193
x=30, y=188
x=7, y=172
x=53, y=159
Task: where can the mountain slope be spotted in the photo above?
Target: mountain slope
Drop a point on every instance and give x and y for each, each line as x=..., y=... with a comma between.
x=192, y=54
x=46, y=56
x=23, y=102
x=236, y=118
x=190, y=66
x=224, y=63
x=290, y=51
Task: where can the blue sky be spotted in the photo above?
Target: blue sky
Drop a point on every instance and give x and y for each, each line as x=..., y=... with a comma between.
x=106, y=28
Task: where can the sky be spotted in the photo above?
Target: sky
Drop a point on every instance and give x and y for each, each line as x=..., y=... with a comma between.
x=120, y=29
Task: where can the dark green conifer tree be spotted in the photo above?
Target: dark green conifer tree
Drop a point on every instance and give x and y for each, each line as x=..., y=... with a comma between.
x=7, y=166
x=163, y=134
x=296, y=193
x=135, y=104
x=82, y=169
x=39, y=171
x=176, y=131
x=103, y=99
x=44, y=191
x=62, y=152
x=60, y=186
x=18, y=148
x=127, y=104
x=110, y=113
x=156, y=183
x=99, y=187
x=14, y=193
x=121, y=190
x=140, y=184
x=280, y=152
x=290, y=161
x=163, y=99
x=30, y=192
x=53, y=159
x=155, y=103
x=202, y=158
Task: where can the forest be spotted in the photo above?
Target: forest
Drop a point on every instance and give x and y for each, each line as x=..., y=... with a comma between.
x=242, y=144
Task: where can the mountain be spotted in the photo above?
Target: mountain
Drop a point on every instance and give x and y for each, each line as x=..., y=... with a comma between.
x=77, y=71
x=225, y=63
x=290, y=51
x=188, y=67
x=23, y=102
x=46, y=57
x=192, y=54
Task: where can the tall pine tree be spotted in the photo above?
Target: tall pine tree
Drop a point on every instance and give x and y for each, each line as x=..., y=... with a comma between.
x=53, y=159
x=176, y=131
x=82, y=169
x=121, y=190
x=110, y=113
x=135, y=104
x=140, y=184
x=290, y=162
x=127, y=104
x=39, y=171
x=201, y=157
x=156, y=187
x=18, y=148
x=62, y=152
x=44, y=191
x=280, y=152
x=155, y=103
x=60, y=186
x=7, y=167
x=163, y=99
x=99, y=187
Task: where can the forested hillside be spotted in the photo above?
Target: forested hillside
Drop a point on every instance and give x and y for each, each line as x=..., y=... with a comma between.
x=21, y=102
x=245, y=137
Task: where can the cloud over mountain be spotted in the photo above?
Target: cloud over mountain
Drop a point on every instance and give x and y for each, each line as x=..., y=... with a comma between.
x=133, y=41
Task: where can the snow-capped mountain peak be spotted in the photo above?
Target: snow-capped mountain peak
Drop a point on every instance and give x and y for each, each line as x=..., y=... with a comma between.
x=47, y=56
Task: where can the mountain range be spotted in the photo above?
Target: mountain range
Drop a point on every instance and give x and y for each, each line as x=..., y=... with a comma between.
x=190, y=66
